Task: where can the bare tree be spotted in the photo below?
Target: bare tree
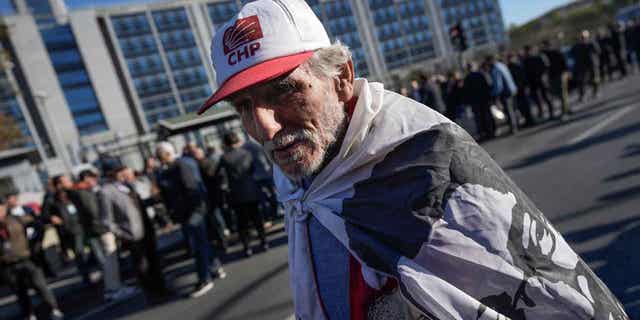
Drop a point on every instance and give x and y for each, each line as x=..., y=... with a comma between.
x=10, y=133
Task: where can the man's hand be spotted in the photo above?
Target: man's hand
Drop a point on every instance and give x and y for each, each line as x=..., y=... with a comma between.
x=56, y=220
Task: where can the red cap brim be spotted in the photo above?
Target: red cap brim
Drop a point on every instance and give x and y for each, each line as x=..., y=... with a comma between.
x=264, y=71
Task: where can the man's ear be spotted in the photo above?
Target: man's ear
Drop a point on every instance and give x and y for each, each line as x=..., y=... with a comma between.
x=344, y=82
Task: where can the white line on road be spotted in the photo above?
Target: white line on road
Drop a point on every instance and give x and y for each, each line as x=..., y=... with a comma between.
x=291, y=317
x=606, y=121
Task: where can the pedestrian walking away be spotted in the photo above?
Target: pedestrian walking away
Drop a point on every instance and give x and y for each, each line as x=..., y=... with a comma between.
x=187, y=201
x=535, y=68
x=585, y=54
x=477, y=93
x=392, y=210
x=503, y=88
x=522, y=96
x=239, y=166
x=558, y=75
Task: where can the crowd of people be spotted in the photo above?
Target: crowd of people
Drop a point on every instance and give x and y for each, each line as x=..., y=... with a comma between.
x=522, y=87
x=115, y=209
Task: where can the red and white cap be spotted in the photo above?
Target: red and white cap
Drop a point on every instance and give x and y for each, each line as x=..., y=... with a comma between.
x=266, y=39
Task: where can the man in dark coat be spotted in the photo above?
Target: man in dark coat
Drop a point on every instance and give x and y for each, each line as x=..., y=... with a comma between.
x=585, y=54
x=477, y=91
x=239, y=166
x=522, y=96
x=66, y=217
x=185, y=195
x=558, y=75
x=455, y=95
x=616, y=46
x=208, y=169
x=535, y=68
x=604, y=57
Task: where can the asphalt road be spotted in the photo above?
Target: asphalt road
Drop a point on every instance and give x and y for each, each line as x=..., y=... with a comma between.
x=584, y=174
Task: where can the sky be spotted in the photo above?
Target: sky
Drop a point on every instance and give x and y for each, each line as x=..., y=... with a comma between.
x=514, y=11
x=521, y=11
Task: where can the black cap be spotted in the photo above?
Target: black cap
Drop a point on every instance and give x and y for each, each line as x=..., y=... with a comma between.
x=112, y=165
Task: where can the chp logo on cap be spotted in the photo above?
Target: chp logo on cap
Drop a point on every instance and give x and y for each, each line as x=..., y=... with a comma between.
x=238, y=37
x=265, y=40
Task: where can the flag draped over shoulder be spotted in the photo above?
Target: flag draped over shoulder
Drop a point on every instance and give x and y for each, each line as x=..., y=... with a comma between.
x=413, y=197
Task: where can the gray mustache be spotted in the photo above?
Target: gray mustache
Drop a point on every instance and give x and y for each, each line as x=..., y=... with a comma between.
x=286, y=138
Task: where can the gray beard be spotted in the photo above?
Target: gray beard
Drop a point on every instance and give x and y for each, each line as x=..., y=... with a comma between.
x=330, y=150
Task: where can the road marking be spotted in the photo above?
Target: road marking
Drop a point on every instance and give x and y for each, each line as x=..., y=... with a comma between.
x=591, y=131
x=291, y=317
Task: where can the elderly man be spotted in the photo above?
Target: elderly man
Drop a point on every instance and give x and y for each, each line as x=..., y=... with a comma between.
x=393, y=211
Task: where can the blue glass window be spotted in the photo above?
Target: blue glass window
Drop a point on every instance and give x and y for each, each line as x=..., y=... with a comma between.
x=74, y=80
x=221, y=12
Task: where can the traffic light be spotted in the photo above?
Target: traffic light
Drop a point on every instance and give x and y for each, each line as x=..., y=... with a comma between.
x=458, y=39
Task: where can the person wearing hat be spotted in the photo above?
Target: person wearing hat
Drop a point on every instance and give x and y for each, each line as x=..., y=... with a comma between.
x=16, y=268
x=392, y=210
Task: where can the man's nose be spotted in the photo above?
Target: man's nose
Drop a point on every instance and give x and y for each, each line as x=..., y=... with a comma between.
x=266, y=120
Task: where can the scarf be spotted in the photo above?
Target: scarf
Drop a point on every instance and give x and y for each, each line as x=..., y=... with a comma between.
x=413, y=197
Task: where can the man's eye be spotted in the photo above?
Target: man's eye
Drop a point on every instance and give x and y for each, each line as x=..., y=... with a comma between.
x=284, y=87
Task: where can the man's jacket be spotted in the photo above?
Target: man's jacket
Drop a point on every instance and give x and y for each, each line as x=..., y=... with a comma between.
x=120, y=211
x=413, y=197
x=239, y=166
x=183, y=189
x=86, y=201
x=14, y=245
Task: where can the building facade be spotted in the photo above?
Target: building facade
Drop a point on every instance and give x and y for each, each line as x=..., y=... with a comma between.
x=83, y=78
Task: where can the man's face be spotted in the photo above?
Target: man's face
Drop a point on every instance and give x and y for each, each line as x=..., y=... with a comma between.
x=91, y=181
x=298, y=118
x=163, y=156
x=12, y=201
x=126, y=175
x=3, y=211
x=65, y=182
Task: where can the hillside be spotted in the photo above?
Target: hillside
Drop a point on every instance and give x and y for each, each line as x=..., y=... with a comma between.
x=563, y=24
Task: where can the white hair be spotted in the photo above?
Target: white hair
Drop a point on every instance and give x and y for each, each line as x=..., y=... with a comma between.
x=166, y=147
x=328, y=62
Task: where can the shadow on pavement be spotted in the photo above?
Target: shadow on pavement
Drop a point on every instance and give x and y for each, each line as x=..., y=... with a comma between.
x=604, y=202
x=621, y=263
x=622, y=175
x=586, y=112
x=233, y=300
x=567, y=149
x=621, y=194
x=631, y=150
